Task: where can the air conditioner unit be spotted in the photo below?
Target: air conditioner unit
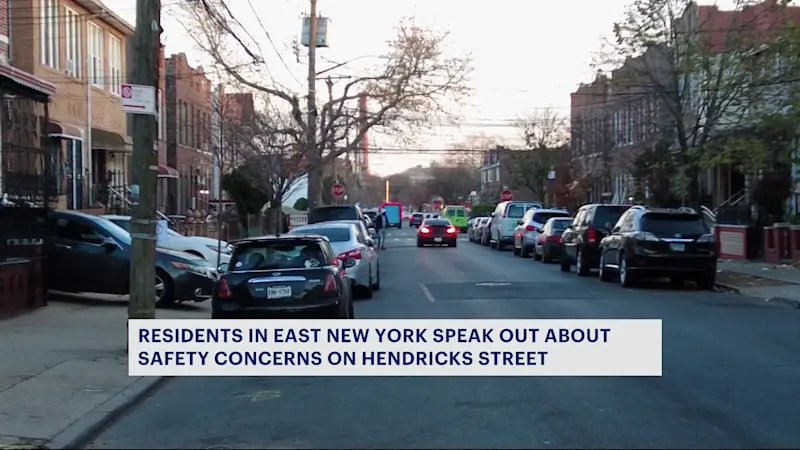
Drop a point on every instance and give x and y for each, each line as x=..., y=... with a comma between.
x=70, y=67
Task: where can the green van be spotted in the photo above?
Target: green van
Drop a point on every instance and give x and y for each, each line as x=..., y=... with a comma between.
x=457, y=215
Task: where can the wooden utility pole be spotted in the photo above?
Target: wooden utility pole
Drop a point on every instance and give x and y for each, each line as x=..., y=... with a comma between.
x=313, y=156
x=145, y=165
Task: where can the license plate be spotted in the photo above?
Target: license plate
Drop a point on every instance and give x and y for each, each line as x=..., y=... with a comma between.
x=437, y=239
x=677, y=247
x=279, y=292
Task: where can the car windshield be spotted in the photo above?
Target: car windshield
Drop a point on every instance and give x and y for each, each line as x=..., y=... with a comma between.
x=339, y=234
x=277, y=255
x=122, y=223
x=333, y=213
x=455, y=213
x=438, y=223
x=120, y=234
x=608, y=214
x=670, y=225
x=542, y=217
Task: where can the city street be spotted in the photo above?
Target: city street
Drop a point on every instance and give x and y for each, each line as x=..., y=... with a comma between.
x=731, y=368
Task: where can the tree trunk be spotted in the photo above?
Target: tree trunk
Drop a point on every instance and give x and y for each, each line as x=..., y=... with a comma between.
x=274, y=219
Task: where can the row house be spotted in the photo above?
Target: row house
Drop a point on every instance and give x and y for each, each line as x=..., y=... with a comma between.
x=228, y=110
x=79, y=46
x=188, y=150
x=496, y=176
x=25, y=162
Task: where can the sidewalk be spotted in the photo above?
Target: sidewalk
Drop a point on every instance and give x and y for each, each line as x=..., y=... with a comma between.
x=778, y=283
x=64, y=372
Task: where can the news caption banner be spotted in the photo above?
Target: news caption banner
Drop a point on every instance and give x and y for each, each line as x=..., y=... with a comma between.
x=384, y=347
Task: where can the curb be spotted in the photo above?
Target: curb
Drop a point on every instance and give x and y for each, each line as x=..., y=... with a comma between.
x=81, y=432
x=722, y=287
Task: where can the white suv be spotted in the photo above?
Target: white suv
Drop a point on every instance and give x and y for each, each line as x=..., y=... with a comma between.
x=504, y=222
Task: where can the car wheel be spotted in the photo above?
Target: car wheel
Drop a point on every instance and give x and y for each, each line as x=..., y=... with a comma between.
x=517, y=251
x=707, y=282
x=454, y=244
x=377, y=285
x=625, y=277
x=565, y=263
x=163, y=289
x=546, y=258
x=580, y=263
x=536, y=255
x=604, y=274
x=366, y=291
x=525, y=252
x=419, y=244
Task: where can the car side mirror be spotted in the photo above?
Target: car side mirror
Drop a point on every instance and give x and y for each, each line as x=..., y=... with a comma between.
x=348, y=263
x=223, y=267
x=109, y=244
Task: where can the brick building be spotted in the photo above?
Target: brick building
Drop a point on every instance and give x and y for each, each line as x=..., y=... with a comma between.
x=188, y=106
x=228, y=110
x=80, y=46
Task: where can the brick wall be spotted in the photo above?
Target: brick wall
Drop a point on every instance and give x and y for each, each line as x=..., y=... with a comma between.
x=4, y=34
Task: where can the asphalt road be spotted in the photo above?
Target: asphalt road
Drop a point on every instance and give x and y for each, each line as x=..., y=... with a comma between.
x=730, y=374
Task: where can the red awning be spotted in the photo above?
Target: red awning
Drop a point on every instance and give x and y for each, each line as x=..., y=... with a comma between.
x=165, y=171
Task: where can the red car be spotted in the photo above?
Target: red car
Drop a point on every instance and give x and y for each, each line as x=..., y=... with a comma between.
x=437, y=232
x=547, y=245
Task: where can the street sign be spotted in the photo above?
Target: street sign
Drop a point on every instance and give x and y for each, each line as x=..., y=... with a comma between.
x=506, y=196
x=337, y=190
x=138, y=99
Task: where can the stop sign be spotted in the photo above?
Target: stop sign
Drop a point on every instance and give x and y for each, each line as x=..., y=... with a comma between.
x=337, y=190
x=506, y=196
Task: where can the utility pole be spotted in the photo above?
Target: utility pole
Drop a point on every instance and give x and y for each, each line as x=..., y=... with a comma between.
x=145, y=160
x=314, y=158
x=331, y=146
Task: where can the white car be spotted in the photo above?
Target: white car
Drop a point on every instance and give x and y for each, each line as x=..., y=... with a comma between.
x=170, y=239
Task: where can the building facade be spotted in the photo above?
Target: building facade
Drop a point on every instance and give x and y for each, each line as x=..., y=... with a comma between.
x=188, y=106
x=228, y=109
x=80, y=47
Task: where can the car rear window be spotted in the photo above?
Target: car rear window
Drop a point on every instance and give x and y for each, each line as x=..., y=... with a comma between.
x=333, y=234
x=608, y=214
x=332, y=213
x=416, y=215
x=517, y=210
x=277, y=255
x=438, y=222
x=542, y=217
x=669, y=225
x=560, y=225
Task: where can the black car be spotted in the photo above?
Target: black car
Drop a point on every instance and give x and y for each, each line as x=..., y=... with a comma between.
x=547, y=246
x=580, y=242
x=88, y=253
x=284, y=276
x=415, y=220
x=437, y=232
x=335, y=213
x=654, y=242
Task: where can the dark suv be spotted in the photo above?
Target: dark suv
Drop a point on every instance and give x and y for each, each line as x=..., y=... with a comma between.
x=580, y=242
x=656, y=242
x=415, y=220
x=335, y=214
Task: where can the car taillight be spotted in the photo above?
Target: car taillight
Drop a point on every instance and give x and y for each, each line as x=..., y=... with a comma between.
x=530, y=228
x=355, y=254
x=330, y=286
x=591, y=235
x=223, y=288
x=451, y=230
x=424, y=230
x=554, y=238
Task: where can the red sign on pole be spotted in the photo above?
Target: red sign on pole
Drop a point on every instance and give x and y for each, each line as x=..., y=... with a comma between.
x=467, y=204
x=506, y=196
x=337, y=190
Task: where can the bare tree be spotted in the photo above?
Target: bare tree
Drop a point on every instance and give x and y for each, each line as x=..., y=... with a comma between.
x=469, y=152
x=704, y=65
x=413, y=88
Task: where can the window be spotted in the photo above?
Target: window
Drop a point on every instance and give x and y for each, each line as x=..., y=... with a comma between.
x=48, y=39
x=162, y=116
x=341, y=234
x=95, y=46
x=278, y=255
x=192, y=126
x=75, y=230
x=115, y=64
x=72, y=33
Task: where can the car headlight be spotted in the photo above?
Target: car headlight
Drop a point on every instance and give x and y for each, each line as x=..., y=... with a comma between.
x=225, y=249
x=199, y=270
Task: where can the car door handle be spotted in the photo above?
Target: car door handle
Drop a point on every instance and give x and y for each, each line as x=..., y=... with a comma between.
x=65, y=247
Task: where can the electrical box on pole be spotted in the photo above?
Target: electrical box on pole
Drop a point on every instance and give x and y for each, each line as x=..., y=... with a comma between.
x=322, y=32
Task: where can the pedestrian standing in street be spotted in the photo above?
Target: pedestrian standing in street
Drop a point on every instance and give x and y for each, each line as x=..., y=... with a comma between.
x=381, y=221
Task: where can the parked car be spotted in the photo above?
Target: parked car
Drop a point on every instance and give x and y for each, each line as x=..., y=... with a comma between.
x=655, y=242
x=330, y=213
x=580, y=242
x=415, y=220
x=286, y=275
x=529, y=227
x=437, y=232
x=91, y=254
x=547, y=246
x=349, y=239
x=504, y=222
x=476, y=229
x=168, y=238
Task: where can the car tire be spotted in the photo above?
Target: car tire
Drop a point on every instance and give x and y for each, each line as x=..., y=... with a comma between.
x=604, y=274
x=517, y=251
x=626, y=278
x=419, y=244
x=566, y=266
x=377, y=285
x=167, y=294
x=546, y=258
x=454, y=244
x=580, y=263
x=707, y=281
x=524, y=252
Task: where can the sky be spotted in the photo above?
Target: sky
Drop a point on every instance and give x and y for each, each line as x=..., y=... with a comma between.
x=527, y=55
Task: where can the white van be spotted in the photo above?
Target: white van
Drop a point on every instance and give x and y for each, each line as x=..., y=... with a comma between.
x=504, y=222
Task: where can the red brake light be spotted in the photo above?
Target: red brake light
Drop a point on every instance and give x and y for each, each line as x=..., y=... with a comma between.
x=530, y=228
x=591, y=235
x=355, y=254
x=424, y=230
x=554, y=238
x=330, y=286
x=451, y=230
x=223, y=288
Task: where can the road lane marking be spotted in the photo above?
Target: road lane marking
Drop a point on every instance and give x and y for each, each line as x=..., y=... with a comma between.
x=492, y=284
x=427, y=293
x=261, y=396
